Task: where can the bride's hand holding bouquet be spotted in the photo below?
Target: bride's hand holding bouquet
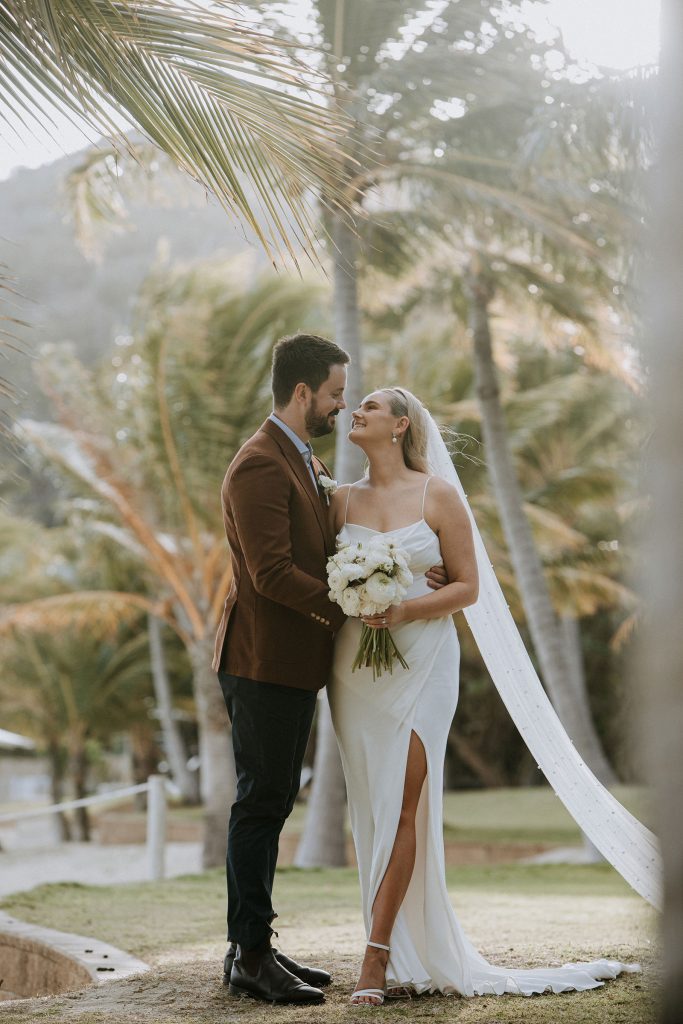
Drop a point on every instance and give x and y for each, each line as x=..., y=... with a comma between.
x=395, y=615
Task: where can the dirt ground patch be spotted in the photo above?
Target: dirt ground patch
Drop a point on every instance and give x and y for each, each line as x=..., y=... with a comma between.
x=191, y=992
x=510, y=925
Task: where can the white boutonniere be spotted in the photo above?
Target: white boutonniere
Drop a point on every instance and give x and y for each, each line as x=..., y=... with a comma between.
x=327, y=485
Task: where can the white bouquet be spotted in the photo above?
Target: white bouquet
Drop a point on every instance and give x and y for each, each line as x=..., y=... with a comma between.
x=366, y=579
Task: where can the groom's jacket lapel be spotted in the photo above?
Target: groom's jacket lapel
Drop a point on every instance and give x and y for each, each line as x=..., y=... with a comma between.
x=298, y=464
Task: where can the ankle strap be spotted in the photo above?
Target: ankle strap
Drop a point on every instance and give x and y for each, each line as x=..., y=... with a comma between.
x=379, y=945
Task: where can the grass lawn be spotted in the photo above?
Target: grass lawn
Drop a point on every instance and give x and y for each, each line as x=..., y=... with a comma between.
x=529, y=815
x=517, y=915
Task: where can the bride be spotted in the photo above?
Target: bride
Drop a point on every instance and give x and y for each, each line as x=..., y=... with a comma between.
x=392, y=732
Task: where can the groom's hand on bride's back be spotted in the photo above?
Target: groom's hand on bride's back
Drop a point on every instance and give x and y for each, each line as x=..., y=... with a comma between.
x=436, y=577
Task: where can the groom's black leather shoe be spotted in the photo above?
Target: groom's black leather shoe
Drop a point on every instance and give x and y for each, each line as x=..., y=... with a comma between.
x=311, y=975
x=272, y=982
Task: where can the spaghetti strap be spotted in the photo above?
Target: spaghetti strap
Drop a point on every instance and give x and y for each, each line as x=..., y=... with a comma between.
x=346, y=509
x=424, y=495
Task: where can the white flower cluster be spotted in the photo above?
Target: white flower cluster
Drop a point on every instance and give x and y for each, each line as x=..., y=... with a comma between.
x=328, y=485
x=365, y=579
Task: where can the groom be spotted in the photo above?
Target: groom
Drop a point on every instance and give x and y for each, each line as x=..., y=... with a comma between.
x=274, y=647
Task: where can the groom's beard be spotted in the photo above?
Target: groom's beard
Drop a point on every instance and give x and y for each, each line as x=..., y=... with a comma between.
x=318, y=424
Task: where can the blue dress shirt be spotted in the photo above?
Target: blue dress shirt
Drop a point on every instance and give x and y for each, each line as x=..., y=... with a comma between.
x=301, y=446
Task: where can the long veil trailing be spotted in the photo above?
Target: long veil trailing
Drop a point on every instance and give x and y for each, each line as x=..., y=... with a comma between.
x=626, y=843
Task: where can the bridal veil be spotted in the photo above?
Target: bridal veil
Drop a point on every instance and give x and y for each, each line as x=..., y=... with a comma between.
x=624, y=841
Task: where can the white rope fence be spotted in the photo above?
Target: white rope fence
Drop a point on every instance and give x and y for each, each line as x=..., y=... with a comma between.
x=155, y=787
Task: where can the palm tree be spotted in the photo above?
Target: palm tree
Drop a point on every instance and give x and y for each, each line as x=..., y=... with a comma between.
x=357, y=38
x=71, y=675
x=148, y=444
x=574, y=431
x=545, y=627
x=567, y=435
x=69, y=687
x=437, y=170
x=231, y=105
x=557, y=233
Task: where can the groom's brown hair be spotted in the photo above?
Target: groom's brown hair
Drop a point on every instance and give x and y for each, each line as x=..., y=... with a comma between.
x=302, y=359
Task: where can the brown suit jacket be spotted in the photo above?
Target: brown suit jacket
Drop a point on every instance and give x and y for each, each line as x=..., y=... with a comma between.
x=278, y=623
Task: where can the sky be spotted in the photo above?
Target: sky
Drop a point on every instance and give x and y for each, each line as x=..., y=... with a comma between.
x=613, y=33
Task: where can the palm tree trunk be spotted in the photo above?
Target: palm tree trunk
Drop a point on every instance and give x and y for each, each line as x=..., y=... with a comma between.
x=488, y=774
x=144, y=757
x=217, y=764
x=543, y=623
x=79, y=772
x=589, y=746
x=323, y=840
x=587, y=739
x=57, y=764
x=348, y=458
x=174, y=748
x=660, y=654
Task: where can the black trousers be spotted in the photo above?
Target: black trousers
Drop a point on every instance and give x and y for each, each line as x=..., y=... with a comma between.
x=270, y=729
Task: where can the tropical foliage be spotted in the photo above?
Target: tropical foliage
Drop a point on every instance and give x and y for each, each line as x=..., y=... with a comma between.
x=473, y=180
x=231, y=105
x=496, y=198
x=145, y=441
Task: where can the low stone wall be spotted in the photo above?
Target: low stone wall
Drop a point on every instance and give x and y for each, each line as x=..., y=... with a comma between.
x=37, y=961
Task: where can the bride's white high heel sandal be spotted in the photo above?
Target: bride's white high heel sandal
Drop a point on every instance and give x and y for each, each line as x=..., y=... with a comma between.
x=373, y=993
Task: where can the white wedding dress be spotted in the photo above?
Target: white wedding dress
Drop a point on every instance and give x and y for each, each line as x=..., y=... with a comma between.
x=373, y=721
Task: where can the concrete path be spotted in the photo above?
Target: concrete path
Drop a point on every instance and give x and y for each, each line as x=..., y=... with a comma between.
x=89, y=864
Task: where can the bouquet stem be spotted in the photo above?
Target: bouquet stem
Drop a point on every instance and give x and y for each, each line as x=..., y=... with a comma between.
x=377, y=650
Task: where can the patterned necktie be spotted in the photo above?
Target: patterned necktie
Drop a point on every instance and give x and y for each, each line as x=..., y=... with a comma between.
x=308, y=459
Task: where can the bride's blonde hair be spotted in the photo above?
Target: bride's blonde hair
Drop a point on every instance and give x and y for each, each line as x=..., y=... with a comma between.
x=404, y=403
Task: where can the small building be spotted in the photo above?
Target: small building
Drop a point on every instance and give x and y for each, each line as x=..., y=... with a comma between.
x=24, y=774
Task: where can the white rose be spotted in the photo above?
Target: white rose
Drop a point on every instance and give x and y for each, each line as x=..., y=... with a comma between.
x=334, y=579
x=367, y=607
x=381, y=589
x=378, y=559
x=351, y=572
x=350, y=602
x=404, y=577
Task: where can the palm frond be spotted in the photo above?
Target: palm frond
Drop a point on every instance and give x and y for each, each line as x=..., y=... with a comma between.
x=552, y=533
x=96, y=192
x=584, y=591
x=235, y=109
x=85, y=458
x=95, y=609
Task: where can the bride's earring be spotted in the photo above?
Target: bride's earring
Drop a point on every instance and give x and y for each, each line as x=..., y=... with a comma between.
x=394, y=439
